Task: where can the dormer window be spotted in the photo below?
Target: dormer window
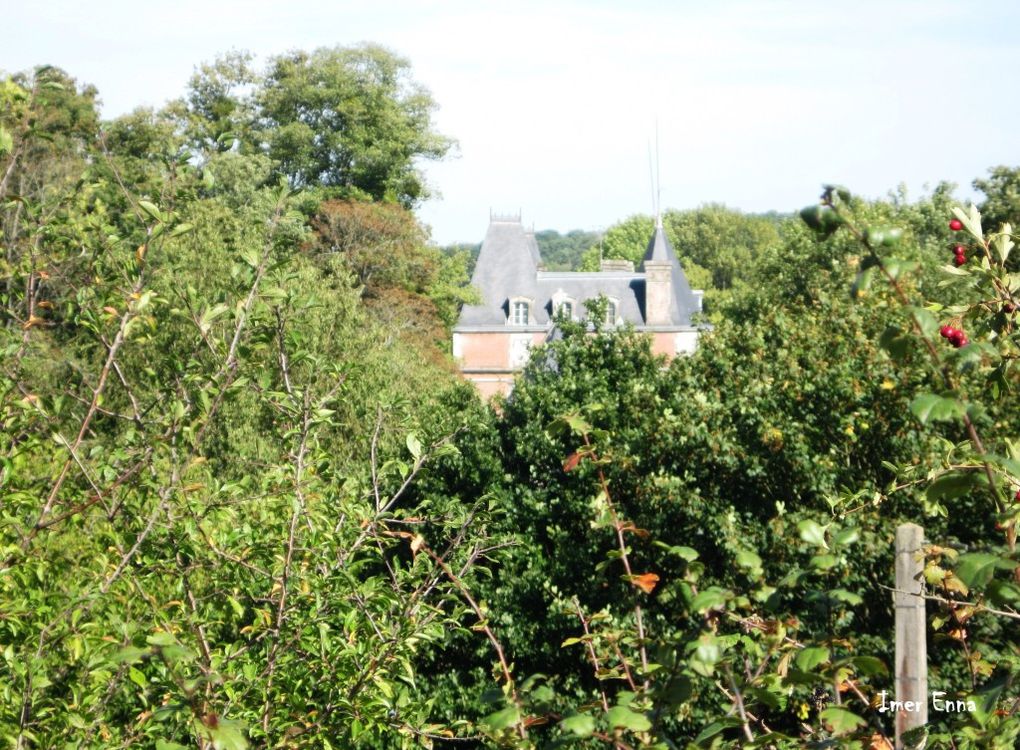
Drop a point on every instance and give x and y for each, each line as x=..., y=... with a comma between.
x=562, y=304
x=520, y=312
x=611, y=312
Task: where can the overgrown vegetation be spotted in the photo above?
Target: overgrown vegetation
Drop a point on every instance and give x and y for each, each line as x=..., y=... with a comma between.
x=246, y=501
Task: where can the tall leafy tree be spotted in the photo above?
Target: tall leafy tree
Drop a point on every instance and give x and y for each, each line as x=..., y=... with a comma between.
x=349, y=118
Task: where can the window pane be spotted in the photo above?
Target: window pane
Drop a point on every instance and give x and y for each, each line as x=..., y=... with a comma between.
x=520, y=314
x=611, y=313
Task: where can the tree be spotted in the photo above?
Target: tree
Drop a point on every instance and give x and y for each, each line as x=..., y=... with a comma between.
x=217, y=112
x=1002, y=201
x=349, y=118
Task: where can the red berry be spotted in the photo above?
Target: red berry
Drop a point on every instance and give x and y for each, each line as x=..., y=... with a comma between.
x=957, y=338
x=1016, y=497
x=956, y=225
x=946, y=331
x=959, y=260
x=959, y=249
x=1009, y=308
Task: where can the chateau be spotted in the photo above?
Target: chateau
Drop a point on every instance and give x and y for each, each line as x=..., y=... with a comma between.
x=520, y=300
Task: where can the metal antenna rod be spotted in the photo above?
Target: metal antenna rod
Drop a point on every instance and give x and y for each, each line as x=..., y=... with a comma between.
x=658, y=181
x=651, y=183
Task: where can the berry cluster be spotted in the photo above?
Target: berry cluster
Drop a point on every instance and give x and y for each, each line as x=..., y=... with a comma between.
x=955, y=336
x=959, y=255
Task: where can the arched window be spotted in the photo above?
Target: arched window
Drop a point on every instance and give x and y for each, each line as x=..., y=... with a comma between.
x=611, y=312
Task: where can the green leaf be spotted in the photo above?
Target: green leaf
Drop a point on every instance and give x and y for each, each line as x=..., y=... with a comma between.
x=916, y=738
x=925, y=319
x=502, y=719
x=151, y=210
x=688, y=554
x=869, y=666
x=812, y=216
x=863, y=281
x=581, y=725
x=623, y=717
x=414, y=446
x=845, y=537
x=813, y=533
x=180, y=229
x=976, y=569
x=896, y=267
x=711, y=598
x=883, y=236
x=929, y=407
x=823, y=562
x=895, y=342
x=228, y=735
x=749, y=560
x=705, y=656
x=952, y=485
x=1004, y=593
x=811, y=657
x=971, y=221
x=129, y=655
x=138, y=678
x=847, y=597
x=161, y=639
x=164, y=745
x=987, y=699
x=6, y=142
x=840, y=721
x=715, y=728
x=1003, y=243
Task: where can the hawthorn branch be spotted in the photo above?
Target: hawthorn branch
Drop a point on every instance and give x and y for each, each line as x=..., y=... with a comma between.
x=622, y=543
x=933, y=352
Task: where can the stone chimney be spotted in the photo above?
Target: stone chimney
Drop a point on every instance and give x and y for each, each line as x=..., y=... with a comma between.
x=617, y=264
x=658, y=292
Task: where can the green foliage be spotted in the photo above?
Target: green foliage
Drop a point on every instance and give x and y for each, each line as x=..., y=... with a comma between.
x=718, y=247
x=209, y=532
x=350, y=118
x=709, y=541
x=1002, y=197
x=563, y=252
x=247, y=503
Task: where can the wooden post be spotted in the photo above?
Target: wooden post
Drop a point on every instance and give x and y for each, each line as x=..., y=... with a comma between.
x=911, y=645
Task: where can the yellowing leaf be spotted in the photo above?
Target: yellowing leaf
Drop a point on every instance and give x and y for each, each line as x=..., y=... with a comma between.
x=645, y=581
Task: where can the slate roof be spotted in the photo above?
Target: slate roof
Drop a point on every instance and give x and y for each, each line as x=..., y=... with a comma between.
x=684, y=303
x=509, y=266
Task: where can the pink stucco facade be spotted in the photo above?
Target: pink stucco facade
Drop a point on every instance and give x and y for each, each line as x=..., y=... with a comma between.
x=492, y=360
x=520, y=302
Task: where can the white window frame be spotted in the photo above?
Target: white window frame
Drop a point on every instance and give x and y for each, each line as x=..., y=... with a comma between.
x=513, y=319
x=612, y=306
x=560, y=299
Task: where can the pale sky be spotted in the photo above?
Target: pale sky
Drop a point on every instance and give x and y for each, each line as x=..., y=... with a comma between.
x=554, y=103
